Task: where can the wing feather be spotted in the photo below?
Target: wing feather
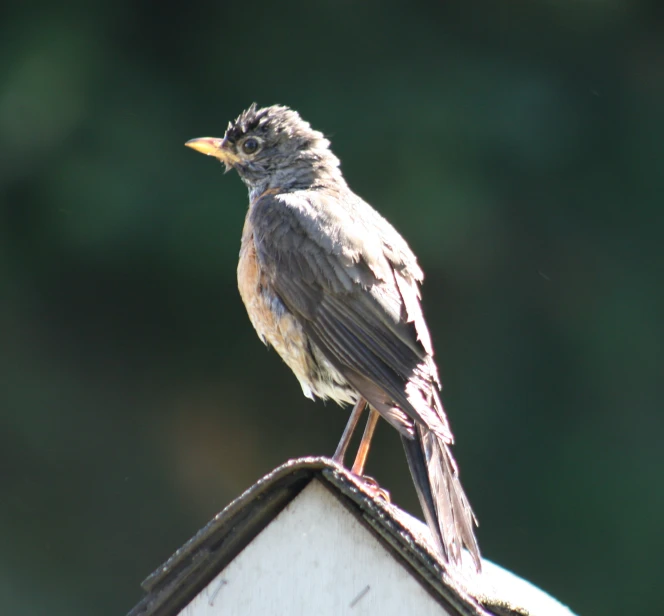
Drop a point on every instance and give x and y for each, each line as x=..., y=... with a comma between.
x=343, y=290
x=355, y=292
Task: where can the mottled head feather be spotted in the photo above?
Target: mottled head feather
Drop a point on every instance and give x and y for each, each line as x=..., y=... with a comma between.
x=292, y=153
x=277, y=120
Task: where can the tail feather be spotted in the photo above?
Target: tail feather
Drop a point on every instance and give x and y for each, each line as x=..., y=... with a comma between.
x=444, y=503
x=418, y=470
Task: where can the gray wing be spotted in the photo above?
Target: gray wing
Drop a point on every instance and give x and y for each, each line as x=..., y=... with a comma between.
x=352, y=282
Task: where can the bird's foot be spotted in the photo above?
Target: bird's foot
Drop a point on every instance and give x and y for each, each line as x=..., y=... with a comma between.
x=372, y=486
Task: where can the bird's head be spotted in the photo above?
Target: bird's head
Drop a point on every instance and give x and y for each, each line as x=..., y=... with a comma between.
x=272, y=147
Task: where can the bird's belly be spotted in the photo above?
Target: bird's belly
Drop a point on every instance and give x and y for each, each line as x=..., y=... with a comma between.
x=277, y=327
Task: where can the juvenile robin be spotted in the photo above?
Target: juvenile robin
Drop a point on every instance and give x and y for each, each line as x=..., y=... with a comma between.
x=334, y=288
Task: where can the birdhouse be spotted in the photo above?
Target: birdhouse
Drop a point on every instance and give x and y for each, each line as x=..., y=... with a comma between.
x=311, y=538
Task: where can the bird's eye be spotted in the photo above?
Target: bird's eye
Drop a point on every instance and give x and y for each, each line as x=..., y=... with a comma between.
x=250, y=146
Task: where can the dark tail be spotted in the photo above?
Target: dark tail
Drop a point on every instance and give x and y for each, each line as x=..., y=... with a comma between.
x=444, y=503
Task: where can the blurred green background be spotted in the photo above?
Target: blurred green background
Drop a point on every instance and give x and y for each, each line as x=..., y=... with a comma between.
x=517, y=145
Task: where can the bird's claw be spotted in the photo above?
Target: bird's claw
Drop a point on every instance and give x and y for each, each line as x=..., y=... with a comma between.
x=376, y=490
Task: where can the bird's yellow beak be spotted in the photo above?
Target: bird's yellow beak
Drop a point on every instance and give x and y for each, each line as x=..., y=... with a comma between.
x=212, y=146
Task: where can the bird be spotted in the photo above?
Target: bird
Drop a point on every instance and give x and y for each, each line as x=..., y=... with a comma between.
x=332, y=286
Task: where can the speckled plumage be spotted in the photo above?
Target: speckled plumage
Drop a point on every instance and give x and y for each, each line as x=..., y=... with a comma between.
x=278, y=328
x=334, y=288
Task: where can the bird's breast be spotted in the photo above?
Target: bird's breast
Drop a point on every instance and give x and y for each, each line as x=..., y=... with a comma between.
x=274, y=325
x=277, y=327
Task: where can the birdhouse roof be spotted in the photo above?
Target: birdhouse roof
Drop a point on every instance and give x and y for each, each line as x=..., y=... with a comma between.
x=199, y=568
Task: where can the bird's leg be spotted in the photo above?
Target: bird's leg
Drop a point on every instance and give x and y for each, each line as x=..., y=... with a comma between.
x=361, y=457
x=353, y=420
x=365, y=443
x=363, y=450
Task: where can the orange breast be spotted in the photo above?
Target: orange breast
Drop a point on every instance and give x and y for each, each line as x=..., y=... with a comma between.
x=273, y=323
